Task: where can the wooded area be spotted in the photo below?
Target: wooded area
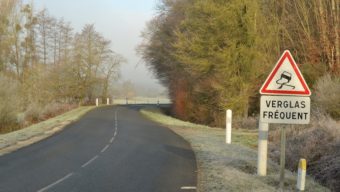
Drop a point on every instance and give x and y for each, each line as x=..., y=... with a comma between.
x=46, y=67
x=214, y=55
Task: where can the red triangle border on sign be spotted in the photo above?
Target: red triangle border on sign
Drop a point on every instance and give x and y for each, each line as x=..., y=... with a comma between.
x=285, y=55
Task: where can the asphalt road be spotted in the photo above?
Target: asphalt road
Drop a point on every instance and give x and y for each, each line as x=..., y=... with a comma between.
x=109, y=149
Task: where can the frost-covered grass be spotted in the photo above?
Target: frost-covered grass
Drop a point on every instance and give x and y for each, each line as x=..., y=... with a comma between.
x=223, y=167
x=41, y=128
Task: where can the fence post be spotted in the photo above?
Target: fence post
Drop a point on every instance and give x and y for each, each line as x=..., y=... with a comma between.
x=262, y=149
x=228, y=126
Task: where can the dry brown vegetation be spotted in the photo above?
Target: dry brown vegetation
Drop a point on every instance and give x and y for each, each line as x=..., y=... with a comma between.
x=46, y=68
x=319, y=141
x=327, y=96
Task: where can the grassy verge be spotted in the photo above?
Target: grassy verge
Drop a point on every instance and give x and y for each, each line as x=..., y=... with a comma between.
x=232, y=167
x=41, y=130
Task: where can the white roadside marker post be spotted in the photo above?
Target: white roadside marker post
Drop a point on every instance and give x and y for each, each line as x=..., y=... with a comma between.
x=97, y=102
x=283, y=157
x=228, y=126
x=301, y=180
x=262, y=149
x=107, y=101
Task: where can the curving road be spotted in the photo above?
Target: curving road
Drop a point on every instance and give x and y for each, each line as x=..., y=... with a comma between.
x=109, y=149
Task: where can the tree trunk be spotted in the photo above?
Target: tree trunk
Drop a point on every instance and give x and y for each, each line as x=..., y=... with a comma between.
x=335, y=13
x=324, y=40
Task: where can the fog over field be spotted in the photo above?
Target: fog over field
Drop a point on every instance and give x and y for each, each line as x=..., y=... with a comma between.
x=119, y=21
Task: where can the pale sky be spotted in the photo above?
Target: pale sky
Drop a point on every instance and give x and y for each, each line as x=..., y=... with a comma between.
x=121, y=21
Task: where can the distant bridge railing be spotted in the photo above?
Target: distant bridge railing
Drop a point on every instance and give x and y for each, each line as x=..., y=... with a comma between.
x=140, y=100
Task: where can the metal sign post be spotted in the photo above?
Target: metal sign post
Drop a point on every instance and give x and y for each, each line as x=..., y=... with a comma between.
x=286, y=101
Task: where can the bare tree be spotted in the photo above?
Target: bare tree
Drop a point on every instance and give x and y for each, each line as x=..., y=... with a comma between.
x=109, y=71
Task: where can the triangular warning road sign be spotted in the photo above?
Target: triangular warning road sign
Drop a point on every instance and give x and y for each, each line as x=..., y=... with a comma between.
x=285, y=79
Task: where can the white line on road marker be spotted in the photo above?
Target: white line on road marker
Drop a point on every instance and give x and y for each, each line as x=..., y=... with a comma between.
x=116, y=127
x=55, y=183
x=111, y=140
x=188, y=188
x=104, y=149
x=90, y=161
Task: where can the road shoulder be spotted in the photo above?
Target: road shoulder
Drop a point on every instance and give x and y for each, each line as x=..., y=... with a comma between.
x=224, y=167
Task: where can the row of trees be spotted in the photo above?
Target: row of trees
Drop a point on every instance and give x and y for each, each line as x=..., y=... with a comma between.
x=45, y=61
x=215, y=54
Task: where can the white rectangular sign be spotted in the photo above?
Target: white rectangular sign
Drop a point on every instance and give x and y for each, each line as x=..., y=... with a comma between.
x=285, y=109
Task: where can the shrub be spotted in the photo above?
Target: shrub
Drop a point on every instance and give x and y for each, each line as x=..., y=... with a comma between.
x=32, y=113
x=8, y=104
x=327, y=95
x=21, y=119
x=54, y=109
x=50, y=110
x=245, y=123
x=36, y=112
x=327, y=169
x=315, y=142
x=318, y=142
x=7, y=117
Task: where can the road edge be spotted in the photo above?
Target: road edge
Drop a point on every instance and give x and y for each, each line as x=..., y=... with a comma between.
x=226, y=183
x=50, y=127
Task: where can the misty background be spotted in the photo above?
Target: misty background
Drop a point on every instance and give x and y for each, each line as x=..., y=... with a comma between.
x=119, y=21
